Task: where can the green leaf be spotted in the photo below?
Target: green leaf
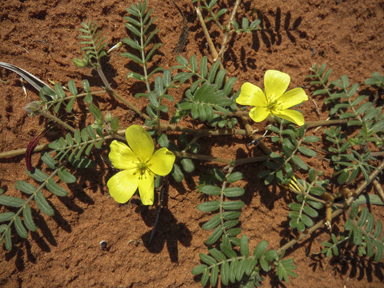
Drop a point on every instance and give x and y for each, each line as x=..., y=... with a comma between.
x=205, y=278
x=8, y=241
x=234, y=191
x=6, y=216
x=271, y=255
x=234, y=177
x=241, y=269
x=212, y=223
x=311, y=212
x=208, y=206
x=20, y=228
x=217, y=254
x=211, y=190
x=260, y=248
x=134, y=58
x=357, y=236
x=193, y=61
x=199, y=269
x=203, y=67
x=180, y=59
x=25, y=187
x=306, y=220
x=214, y=275
x=47, y=159
x=363, y=217
x=224, y=273
x=215, y=235
x=244, y=248
x=232, y=271
x=11, y=201
x=229, y=215
x=307, y=151
x=227, y=250
x=37, y=174
x=207, y=259
x=55, y=188
x=379, y=228
x=66, y=176
x=299, y=162
x=187, y=165
x=43, y=204
x=28, y=220
x=232, y=205
x=177, y=173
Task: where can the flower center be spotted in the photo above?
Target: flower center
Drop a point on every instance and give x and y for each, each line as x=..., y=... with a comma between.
x=141, y=168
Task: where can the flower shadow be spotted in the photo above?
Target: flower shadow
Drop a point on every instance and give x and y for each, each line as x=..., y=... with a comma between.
x=168, y=231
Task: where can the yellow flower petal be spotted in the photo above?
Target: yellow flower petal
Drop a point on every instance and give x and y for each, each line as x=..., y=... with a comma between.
x=122, y=156
x=258, y=114
x=161, y=162
x=275, y=84
x=140, y=142
x=123, y=185
x=147, y=188
x=291, y=115
x=292, y=98
x=251, y=95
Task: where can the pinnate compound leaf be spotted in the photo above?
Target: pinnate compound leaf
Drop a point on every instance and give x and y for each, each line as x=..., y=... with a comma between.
x=11, y=201
x=43, y=204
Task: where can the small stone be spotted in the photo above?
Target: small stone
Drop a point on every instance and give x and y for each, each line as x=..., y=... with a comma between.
x=103, y=244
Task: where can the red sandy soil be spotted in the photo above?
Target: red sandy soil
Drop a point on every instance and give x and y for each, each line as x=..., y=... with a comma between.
x=65, y=251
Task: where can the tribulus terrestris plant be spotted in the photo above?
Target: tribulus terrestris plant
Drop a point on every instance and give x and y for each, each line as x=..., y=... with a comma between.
x=209, y=97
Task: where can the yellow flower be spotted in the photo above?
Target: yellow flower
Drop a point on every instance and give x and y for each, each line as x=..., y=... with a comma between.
x=274, y=101
x=139, y=166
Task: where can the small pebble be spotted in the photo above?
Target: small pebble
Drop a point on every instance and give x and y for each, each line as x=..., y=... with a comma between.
x=103, y=244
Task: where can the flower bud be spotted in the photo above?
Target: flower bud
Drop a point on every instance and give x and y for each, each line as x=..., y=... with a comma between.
x=108, y=117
